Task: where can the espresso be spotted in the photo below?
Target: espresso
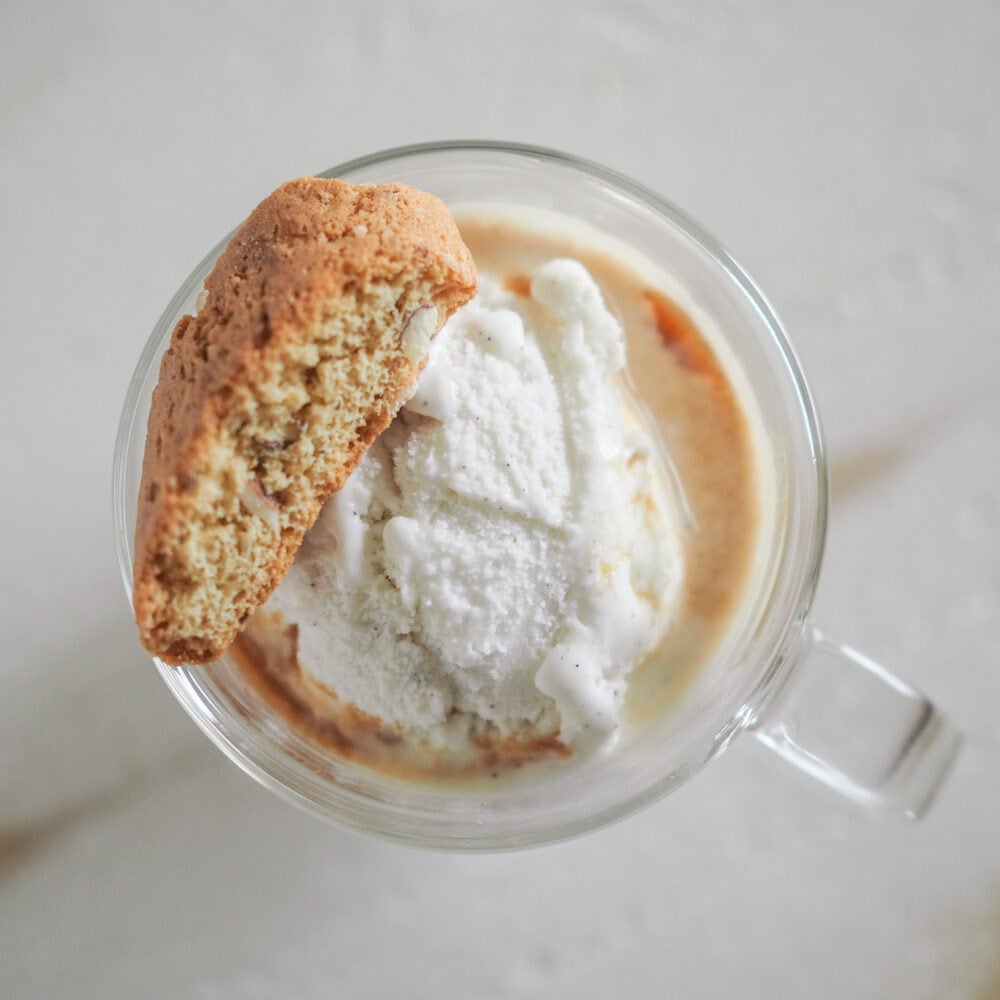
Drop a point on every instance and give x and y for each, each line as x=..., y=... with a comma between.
x=690, y=395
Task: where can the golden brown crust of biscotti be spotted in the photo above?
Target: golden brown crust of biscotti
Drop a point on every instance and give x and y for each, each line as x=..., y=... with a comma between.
x=311, y=335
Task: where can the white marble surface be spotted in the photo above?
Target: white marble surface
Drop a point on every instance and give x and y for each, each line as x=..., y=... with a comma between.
x=848, y=154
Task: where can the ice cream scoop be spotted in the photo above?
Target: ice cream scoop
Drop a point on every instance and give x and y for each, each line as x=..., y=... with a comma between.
x=509, y=547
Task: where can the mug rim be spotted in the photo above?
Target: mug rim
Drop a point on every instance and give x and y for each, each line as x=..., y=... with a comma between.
x=185, y=687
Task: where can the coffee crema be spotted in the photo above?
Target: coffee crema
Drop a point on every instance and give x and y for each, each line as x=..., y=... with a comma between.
x=690, y=398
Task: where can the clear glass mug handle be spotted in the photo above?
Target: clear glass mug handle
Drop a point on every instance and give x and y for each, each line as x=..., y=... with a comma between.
x=851, y=724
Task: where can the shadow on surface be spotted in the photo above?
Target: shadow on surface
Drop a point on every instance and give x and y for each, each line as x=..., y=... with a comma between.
x=82, y=735
x=854, y=473
x=990, y=957
x=857, y=471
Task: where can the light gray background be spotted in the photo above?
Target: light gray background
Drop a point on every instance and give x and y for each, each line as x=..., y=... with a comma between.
x=848, y=154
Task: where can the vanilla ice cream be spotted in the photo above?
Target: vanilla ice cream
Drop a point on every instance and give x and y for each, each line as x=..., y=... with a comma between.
x=509, y=548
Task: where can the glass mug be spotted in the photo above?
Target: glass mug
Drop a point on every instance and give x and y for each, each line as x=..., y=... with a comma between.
x=825, y=708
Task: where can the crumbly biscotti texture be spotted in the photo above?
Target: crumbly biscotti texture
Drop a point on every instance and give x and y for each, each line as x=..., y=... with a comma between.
x=315, y=323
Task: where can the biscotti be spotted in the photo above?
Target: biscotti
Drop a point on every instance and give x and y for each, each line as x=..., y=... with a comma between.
x=314, y=325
